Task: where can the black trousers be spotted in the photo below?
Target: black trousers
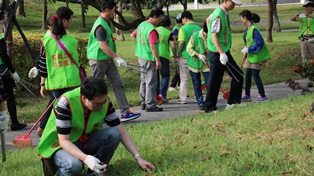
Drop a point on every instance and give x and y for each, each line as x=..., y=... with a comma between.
x=216, y=74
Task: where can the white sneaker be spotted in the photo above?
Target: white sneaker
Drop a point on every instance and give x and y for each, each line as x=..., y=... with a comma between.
x=230, y=106
x=172, y=89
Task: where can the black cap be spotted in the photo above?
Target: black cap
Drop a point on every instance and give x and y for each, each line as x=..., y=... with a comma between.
x=309, y=4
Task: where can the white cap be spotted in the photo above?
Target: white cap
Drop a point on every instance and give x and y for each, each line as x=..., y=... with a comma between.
x=178, y=16
x=237, y=2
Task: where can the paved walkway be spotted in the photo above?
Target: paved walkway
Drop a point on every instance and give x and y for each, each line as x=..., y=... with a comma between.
x=172, y=109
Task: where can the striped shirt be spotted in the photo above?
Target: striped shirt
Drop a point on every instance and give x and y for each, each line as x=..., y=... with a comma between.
x=63, y=116
x=216, y=25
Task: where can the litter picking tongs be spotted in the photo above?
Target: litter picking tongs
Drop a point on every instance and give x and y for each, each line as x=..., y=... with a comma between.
x=22, y=82
x=137, y=68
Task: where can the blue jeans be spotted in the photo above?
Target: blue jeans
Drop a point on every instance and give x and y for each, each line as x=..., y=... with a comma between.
x=101, y=144
x=197, y=85
x=165, y=76
x=248, y=81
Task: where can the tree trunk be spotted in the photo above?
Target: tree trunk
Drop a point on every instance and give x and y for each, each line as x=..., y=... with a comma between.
x=8, y=28
x=270, y=22
x=20, y=10
x=83, y=14
x=44, y=16
x=184, y=4
x=277, y=27
x=117, y=19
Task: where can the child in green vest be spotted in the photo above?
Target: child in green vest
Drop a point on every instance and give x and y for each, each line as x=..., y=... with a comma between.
x=256, y=51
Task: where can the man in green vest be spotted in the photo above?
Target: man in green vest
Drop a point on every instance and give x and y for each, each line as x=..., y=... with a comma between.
x=75, y=136
x=166, y=43
x=101, y=52
x=146, y=49
x=219, y=44
x=185, y=32
x=197, y=63
x=306, y=31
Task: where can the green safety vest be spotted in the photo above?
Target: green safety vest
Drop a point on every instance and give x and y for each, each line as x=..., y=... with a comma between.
x=188, y=30
x=93, y=48
x=224, y=36
x=262, y=55
x=142, y=46
x=49, y=142
x=198, y=47
x=163, y=47
x=62, y=73
x=306, y=24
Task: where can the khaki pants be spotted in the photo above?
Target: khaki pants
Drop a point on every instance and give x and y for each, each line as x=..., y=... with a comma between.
x=307, y=49
x=184, y=76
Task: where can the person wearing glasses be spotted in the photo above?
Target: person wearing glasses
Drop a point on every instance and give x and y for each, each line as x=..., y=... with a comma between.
x=75, y=136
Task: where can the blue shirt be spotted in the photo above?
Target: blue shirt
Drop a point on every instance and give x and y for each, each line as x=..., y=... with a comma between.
x=259, y=42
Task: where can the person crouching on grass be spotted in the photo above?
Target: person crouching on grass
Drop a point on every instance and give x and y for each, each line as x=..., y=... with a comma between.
x=257, y=53
x=74, y=134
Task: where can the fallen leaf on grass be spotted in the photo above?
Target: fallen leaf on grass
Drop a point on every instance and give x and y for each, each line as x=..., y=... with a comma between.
x=269, y=115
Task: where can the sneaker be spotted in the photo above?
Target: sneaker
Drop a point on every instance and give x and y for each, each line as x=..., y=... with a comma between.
x=201, y=107
x=156, y=109
x=17, y=126
x=130, y=115
x=164, y=99
x=230, y=106
x=245, y=97
x=172, y=89
x=260, y=98
x=181, y=102
x=210, y=109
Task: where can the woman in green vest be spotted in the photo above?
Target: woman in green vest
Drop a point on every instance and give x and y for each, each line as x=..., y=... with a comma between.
x=256, y=52
x=166, y=43
x=62, y=75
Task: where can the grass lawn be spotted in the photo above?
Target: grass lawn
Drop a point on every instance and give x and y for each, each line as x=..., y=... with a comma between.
x=269, y=138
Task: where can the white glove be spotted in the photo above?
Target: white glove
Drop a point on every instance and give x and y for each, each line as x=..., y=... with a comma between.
x=121, y=62
x=16, y=77
x=223, y=58
x=33, y=72
x=245, y=50
x=94, y=164
x=202, y=58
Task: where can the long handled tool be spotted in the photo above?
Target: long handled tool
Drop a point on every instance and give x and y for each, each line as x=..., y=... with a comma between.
x=227, y=93
x=3, y=146
x=22, y=83
x=25, y=140
x=137, y=68
x=224, y=94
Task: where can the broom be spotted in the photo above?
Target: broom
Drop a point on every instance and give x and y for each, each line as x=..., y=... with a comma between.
x=25, y=140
